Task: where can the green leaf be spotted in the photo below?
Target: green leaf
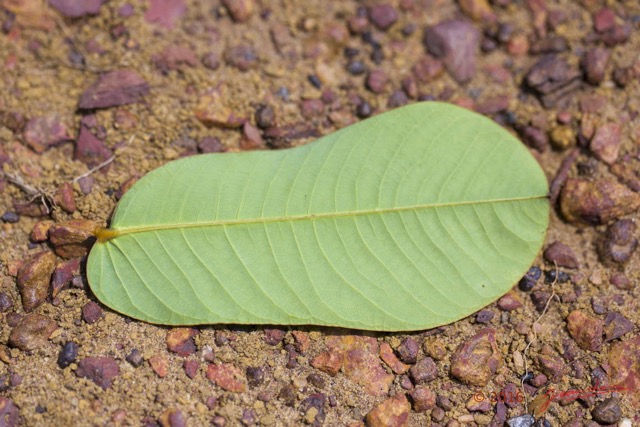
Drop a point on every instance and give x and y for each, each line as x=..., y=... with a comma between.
x=406, y=221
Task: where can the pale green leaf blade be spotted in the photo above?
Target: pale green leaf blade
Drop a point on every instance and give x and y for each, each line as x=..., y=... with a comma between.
x=409, y=220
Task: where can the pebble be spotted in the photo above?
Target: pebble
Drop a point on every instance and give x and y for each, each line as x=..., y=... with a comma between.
x=478, y=10
x=210, y=144
x=91, y=312
x=618, y=243
x=77, y=8
x=388, y=357
x=585, y=330
x=397, y=99
x=243, y=57
x=604, y=20
x=596, y=202
x=114, y=88
x=456, y=43
x=5, y=302
x=72, y=239
x=273, y=336
x=181, y=341
x=9, y=413
x=64, y=198
x=165, y=13
x=172, y=417
x=211, y=110
x=509, y=302
x=312, y=108
x=227, y=376
x=135, y=358
x=191, y=368
x=364, y=110
x=63, y=275
x=211, y=60
x=408, y=350
x=282, y=136
x=301, y=341
x=477, y=359
x=313, y=408
x=316, y=380
x=550, y=44
x=356, y=68
x=175, y=57
x=534, y=137
x=328, y=362
x=255, y=376
x=607, y=412
x=377, y=81
x=10, y=217
x=595, y=64
x=484, y=316
x=160, y=365
x=265, y=116
x=561, y=254
x=383, y=16
x=40, y=231
x=425, y=370
x=605, y=143
x=521, y=421
x=68, y=354
x=422, y=399
x=31, y=332
x=89, y=149
x=393, y=412
x=42, y=132
x=616, y=325
x=550, y=75
x=559, y=276
x=288, y=395
x=100, y=370
x=34, y=278
x=240, y=10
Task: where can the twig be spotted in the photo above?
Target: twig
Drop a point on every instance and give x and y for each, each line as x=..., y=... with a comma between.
x=94, y=169
x=35, y=193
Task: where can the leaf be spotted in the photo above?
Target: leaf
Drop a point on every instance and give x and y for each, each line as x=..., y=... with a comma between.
x=406, y=221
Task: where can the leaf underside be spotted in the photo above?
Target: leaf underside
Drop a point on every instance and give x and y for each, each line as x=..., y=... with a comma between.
x=410, y=220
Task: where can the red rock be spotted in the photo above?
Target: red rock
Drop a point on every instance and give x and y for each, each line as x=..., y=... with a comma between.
x=552, y=77
x=383, y=16
x=596, y=202
x=72, y=239
x=160, y=365
x=329, y=362
x=40, y=230
x=172, y=417
x=550, y=365
x=91, y=312
x=388, y=357
x=457, y=43
x=619, y=242
x=77, y=8
x=250, y=138
x=42, y=132
x=181, y=341
x=493, y=105
x=312, y=108
x=174, y=57
x=509, y=302
x=604, y=20
x=191, y=368
x=377, y=81
x=561, y=254
x=165, y=13
x=595, y=64
x=478, y=10
x=616, y=325
x=477, y=359
x=210, y=145
x=302, y=341
x=425, y=370
x=64, y=198
x=34, y=278
x=393, y=412
x=100, y=370
x=227, y=377
x=9, y=414
x=240, y=10
x=114, y=88
x=89, y=149
x=585, y=330
x=211, y=110
x=606, y=143
x=273, y=336
x=282, y=136
x=624, y=368
x=422, y=399
x=32, y=332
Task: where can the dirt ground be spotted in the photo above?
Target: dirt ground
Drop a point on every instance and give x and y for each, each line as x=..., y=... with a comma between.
x=213, y=76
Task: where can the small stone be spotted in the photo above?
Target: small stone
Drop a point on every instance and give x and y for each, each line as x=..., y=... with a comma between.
x=86, y=184
x=620, y=281
x=393, y=412
x=457, y=43
x=175, y=57
x=616, y=325
x=557, y=276
x=89, y=149
x=227, y=377
x=427, y=69
x=551, y=77
x=383, y=16
x=408, y=351
x=619, y=242
x=364, y=110
x=534, y=137
x=34, y=278
x=423, y=371
x=165, y=13
x=72, y=239
x=77, y=8
x=265, y=116
x=604, y=20
x=509, y=302
x=605, y=143
x=212, y=111
x=596, y=202
x=477, y=359
x=9, y=413
x=160, y=365
x=68, y=354
x=114, y=88
x=63, y=275
x=172, y=417
x=5, y=302
x=607, y=412
x=484, y=316
x=422, y=399
x=273, y=336
x=40, y=231
x=316, y=380
x=10, y=217
x=100, y=370
x=521, y=421
x=191, y=368
x=135, y=358
x=313, y=408
x=585, y=330
x=595, y=64
x=210, y=144
x=397, y=99
x=377, y=81
x=255, y=376
x=301, y=341
x=388, y=357
x=240, y=10
x=42, y=132
x=64, y=198
x=91, y=312
x=312, y=108
x=550, y=44
x=181, y=341
x=31, y=332
x=329, y=362
x=242, y=57
x=211, y=60
x=560, y=254
x=562, y=137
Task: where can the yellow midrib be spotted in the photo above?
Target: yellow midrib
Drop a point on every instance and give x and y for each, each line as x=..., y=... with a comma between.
x=104, y=234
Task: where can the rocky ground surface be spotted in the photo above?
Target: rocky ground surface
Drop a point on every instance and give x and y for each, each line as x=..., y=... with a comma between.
x=97, y=93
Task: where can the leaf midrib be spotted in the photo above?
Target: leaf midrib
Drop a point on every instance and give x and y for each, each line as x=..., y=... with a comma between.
x=124, y=231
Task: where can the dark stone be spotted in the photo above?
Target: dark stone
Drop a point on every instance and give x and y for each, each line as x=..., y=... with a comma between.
x=135, y=358
x=242, y=57
x=114, y=88
x=424, y=371
x=10, y=217
x=530, y=279
x=521, y=421
x=316, y=401
x=89, y=149
x=607, y=412
x=383, y=16
x=100, y=370
x=273, y=336
x=551, y=276
x=561, y=255
x=619, y=242
x=255, y=376
x=91, y=312
x=616, y=325
x=210, y=144
x=265, y=116
x=68, y=354
x=408, y=351
x=5, y=302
